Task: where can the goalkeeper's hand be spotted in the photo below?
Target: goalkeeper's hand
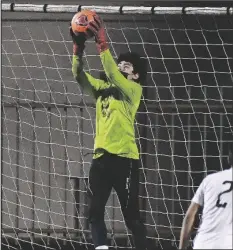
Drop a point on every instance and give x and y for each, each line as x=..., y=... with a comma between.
x=78, y=42
x=97, y=28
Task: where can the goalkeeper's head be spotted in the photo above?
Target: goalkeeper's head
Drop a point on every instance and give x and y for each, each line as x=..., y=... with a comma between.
x=132, y=66
x=230, y=156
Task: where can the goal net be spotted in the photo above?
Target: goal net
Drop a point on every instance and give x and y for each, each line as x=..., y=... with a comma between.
x=48, y=123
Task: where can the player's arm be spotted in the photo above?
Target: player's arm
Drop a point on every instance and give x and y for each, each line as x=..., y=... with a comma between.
x=87, y=82
x=187, y=226
x=130, y=89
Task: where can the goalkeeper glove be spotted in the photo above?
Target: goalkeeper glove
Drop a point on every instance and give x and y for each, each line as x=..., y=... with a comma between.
x=78, y=42
x=97, y=28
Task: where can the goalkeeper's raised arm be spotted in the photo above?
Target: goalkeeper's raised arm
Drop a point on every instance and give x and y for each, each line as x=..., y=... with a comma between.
x=130, y=69
x=116, y=157
x=87, y=82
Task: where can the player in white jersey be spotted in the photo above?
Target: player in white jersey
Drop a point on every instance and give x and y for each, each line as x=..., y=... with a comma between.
x=215, y=196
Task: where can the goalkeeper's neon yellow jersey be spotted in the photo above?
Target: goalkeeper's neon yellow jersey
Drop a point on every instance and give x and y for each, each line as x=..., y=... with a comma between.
x=117, y=101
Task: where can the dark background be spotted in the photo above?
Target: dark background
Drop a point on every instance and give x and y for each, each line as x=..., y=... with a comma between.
x=182, y=127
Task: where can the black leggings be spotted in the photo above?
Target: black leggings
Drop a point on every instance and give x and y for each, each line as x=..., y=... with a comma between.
x=107, y=172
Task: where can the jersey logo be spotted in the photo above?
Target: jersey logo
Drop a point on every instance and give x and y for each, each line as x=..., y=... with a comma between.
x=106, y=96
x=105, y=106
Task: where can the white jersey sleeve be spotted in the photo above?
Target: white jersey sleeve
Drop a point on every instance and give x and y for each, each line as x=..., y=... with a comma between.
x=199, y=195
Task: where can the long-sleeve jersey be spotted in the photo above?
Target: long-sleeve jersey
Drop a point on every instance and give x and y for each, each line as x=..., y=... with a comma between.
x=117, y=101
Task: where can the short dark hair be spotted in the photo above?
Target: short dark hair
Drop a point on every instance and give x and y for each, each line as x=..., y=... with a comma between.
x=139, y=64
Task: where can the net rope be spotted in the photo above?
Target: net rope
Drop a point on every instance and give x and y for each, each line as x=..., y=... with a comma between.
x=48, y=126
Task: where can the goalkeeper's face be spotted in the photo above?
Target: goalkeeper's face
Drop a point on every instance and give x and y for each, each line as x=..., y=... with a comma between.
x=126, y=68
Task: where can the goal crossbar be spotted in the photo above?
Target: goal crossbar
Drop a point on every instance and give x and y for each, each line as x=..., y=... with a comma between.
x=150, y=10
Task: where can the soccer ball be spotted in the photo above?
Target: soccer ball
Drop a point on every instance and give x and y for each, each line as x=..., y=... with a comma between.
x=81, y=20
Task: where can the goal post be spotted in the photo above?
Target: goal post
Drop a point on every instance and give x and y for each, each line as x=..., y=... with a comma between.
x=48, y=123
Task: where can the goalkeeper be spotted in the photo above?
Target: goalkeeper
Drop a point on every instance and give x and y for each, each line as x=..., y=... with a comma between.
x=116, y=158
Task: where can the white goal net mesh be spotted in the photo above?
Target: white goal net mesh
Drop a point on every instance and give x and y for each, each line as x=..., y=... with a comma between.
x=48, y=125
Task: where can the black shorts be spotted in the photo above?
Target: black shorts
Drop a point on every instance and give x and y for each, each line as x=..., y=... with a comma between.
x=112, y=171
